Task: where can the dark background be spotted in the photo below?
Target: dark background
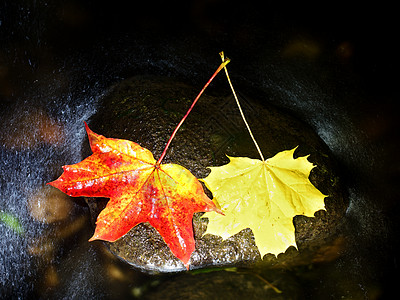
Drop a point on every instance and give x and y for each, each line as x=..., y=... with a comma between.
x=337, y=61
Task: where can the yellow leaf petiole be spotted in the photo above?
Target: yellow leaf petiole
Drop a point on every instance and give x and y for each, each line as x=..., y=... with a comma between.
x=240, y=109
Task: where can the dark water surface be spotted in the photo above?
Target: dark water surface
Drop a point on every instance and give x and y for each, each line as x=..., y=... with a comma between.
x=331, y=68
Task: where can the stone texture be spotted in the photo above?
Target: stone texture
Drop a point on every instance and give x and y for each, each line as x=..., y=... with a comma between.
x=147, y=109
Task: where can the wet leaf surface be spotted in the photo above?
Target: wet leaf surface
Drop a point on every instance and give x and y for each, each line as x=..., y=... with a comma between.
x=140, y=190
x=264, y=196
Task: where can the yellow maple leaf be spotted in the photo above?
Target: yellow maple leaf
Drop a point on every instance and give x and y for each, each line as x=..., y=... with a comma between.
x=263, y=196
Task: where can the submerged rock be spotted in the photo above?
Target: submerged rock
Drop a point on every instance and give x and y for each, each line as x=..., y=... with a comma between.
x=147, y=109
x=231, y=283
x=49, y=205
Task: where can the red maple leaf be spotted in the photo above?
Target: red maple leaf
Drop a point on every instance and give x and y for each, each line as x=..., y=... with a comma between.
x=140, y=189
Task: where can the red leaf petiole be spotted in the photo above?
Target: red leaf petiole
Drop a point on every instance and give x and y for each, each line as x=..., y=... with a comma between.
x=223, y=64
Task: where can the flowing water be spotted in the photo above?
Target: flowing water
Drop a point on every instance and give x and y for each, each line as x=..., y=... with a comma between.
x=49, y=86
x=38, y=132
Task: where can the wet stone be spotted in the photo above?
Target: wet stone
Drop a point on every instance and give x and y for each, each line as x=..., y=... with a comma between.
x=147, y=109
x=49, y=205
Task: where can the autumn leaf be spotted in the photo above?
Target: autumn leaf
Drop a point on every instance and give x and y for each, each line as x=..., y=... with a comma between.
x=263, y=196
x=140, y=189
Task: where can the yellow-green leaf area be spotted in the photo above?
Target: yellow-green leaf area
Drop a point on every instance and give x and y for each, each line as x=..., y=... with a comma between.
x=263, y=196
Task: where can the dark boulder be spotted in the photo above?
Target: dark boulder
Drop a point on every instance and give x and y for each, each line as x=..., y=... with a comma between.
x=147, y=109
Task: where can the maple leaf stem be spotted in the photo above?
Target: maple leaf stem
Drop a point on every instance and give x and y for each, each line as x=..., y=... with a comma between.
x=240, y=108
x=222, y=65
